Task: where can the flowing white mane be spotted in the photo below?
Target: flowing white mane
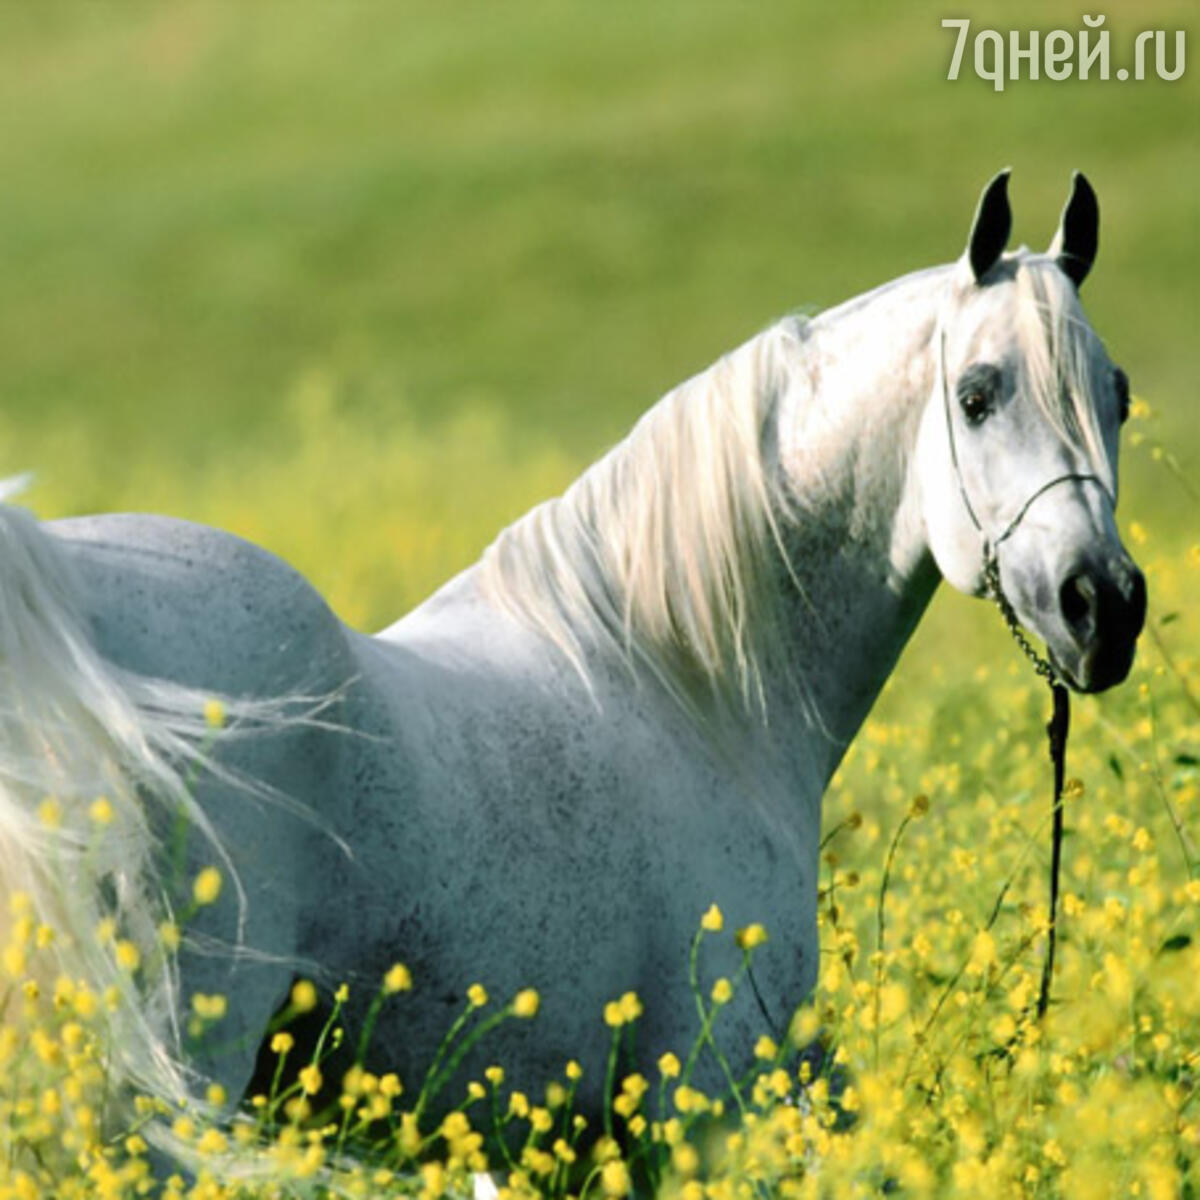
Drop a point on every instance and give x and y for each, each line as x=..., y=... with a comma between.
x=1058, y=353
x=668, y=548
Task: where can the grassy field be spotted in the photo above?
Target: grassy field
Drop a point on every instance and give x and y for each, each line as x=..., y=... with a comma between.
x=363, y=282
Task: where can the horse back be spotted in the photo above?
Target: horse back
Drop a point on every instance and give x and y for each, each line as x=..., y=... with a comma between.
x=175, y=600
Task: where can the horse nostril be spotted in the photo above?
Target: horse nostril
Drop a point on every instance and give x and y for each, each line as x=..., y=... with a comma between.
x=1077, y=599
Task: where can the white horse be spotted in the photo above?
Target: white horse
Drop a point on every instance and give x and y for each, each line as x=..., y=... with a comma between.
x=629, y=709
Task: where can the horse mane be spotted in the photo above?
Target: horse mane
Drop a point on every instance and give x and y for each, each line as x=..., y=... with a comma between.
x=668, y=550
x=1058, y=354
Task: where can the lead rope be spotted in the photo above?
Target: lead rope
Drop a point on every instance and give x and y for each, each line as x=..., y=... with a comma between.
x=1056, y=732
x=1060, y=720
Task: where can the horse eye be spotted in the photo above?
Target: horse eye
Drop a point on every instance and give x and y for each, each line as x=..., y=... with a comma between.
x=975, y=407
x=1121, y=383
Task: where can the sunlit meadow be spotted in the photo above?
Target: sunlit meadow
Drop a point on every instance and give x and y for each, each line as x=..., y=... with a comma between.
x=363, y=283
x=917, y=1067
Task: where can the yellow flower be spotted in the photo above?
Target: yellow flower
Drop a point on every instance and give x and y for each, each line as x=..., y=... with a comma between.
x=668, y=1064
x=129, y=957
x=713, y=920
x=983, y=952
x=50, y=813
x=304, y=995
x=684, y=1159
x=614, y=1178
x=631, y=1006
x=765, y=1048
x=477, y=995
x=101, y=811
x=455, y=1126
x=408, y=1136
x=1003, y=1029
x=214, y=713
x=780, y=1084
x=494, y=1076
x=207, y=886
x=722, y=991
x=310, y=1079
x=398, y=979
x=688, y=1099
x=281, y=1043
x=538, y=1161
x=433, y=1176
x=212, y=1141
x=518, y=1104
x=751, y=937
x=574, y=1071
x=168, y=934
x=342, y=994
x=215, y=1094
x=526, y=1003
x=210, y=1008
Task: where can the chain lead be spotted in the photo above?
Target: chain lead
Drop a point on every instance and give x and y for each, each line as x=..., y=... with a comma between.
x=991, y=579
x=1057, y=732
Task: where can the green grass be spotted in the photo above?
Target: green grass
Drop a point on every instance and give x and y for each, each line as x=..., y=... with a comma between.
x=552, y=211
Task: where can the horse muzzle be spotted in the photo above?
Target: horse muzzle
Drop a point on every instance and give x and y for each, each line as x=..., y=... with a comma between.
x=1102, y=607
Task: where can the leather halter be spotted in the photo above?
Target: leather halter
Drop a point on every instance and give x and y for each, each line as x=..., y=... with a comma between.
x=991, y=545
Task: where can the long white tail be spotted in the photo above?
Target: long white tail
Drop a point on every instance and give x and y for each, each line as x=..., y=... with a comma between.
x=76, y=730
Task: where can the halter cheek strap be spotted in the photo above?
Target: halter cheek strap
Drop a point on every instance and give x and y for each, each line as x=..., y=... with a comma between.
x=991, y=561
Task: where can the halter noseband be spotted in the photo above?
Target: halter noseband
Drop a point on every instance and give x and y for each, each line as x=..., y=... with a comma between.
x=991, y=561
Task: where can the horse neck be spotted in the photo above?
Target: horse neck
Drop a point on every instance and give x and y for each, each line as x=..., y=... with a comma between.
x=846, y=434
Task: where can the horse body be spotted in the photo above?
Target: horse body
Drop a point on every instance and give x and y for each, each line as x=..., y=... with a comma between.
x=505, y=818
x=489, y=818
x=631, y=707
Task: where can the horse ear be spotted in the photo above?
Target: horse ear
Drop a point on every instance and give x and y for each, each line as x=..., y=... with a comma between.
x=1078, y=235
x=992, y=225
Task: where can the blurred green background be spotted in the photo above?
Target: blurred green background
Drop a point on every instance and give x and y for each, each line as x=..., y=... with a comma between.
x=363, y=281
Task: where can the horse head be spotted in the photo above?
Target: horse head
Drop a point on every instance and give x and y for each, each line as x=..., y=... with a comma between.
x=1017, y=450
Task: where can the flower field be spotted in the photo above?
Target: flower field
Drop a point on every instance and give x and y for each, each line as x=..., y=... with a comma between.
x=363, y=283
x=918, y=1066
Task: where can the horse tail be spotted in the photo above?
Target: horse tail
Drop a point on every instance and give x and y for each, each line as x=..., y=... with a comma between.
x=94, y=759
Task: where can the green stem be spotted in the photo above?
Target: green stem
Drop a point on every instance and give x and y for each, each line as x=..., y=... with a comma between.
x=610, y=1078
